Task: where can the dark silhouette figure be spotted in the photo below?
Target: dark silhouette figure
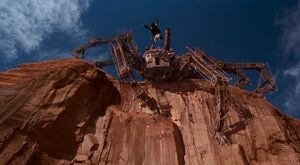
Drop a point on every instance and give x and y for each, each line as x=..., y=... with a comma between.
x=156, y=33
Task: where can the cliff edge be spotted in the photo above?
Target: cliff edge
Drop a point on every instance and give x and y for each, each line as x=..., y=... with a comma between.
x=70, y=112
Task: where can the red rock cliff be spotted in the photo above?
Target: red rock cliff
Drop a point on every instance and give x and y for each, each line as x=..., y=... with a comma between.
x=68, y=111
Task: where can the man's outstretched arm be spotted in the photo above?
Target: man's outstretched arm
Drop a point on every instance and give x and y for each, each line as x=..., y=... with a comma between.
x=147, y=27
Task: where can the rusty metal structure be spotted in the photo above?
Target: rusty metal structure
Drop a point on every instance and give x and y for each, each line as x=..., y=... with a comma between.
x=163, y=64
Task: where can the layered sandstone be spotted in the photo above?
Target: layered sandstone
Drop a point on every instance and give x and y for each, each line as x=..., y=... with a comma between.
x=70, y=112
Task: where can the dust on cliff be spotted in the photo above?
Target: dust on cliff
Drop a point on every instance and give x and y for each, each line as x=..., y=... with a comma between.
x=69, y=111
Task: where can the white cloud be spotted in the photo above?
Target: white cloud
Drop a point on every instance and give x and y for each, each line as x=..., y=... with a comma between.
x=25, y=24
x=291, y=30
x=293, y=71
x=290, y=24
x=292, y=100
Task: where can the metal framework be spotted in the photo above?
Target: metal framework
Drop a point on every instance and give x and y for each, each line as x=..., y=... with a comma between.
x=162, y=64
x=211, y=68
x=124, y=53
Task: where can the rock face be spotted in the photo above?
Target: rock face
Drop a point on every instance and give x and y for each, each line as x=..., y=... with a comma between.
x=70, y=112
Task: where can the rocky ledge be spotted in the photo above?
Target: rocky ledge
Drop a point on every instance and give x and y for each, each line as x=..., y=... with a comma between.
x=70, y=112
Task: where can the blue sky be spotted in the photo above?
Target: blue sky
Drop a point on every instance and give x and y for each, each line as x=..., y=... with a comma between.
x=236, y=31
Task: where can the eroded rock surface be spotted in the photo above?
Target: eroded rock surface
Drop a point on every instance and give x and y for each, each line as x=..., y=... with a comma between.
x=70, y=112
